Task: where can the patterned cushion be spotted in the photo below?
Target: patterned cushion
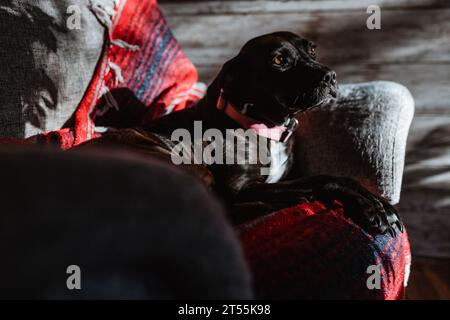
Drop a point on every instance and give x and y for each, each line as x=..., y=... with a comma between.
x=140, y=70
x=46, y=66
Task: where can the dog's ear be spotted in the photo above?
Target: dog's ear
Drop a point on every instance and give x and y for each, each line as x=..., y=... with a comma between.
x=230, y=80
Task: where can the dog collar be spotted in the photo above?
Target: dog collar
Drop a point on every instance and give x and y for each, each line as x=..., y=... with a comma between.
x=278, y=133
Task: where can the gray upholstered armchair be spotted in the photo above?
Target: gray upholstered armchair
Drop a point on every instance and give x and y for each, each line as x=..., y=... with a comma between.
x=142, y=229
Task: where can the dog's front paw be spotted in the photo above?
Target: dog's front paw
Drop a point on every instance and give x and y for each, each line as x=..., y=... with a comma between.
x=372, y=213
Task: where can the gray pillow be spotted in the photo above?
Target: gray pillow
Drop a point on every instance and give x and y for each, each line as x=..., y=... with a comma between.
x=44, y=73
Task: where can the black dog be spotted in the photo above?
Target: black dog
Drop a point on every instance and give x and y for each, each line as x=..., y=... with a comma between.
x=274, y=78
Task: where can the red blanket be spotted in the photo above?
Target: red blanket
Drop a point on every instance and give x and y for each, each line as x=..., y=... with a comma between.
x=312, y=252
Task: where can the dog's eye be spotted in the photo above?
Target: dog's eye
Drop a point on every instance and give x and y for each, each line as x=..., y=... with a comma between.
x=278, y=60
x=312, y=51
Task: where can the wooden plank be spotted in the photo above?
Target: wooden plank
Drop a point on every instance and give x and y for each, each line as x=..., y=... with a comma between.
x=423, y=126
x=428, y=83
x=425, y=200
x=257, y=7
x=406, y=35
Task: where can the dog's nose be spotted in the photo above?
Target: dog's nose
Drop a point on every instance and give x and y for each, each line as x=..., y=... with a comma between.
x=330, y=77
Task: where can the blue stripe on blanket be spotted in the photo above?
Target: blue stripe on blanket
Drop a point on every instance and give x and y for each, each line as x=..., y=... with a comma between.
x=141, y=69
x=172, y=53
x=163, y=50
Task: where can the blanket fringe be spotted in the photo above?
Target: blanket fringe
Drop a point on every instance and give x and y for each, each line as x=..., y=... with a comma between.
x=105, y=16
x=122, y=44
x=117, y=72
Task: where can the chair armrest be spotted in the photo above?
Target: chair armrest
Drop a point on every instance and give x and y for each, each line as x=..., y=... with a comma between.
x=362, y=135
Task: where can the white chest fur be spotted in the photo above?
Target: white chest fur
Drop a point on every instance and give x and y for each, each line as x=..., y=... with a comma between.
x=278, y=161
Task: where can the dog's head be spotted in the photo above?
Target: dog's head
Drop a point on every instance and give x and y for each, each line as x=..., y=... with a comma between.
x=275, y=77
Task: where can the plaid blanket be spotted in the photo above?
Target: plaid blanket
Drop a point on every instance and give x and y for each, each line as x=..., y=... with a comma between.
x=294, y=253
x=312, y=252
x=142, y=75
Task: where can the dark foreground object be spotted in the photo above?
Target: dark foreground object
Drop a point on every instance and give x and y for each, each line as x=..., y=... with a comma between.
x=133, y=227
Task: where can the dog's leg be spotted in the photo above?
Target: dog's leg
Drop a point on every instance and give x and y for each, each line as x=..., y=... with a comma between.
x=367, y=210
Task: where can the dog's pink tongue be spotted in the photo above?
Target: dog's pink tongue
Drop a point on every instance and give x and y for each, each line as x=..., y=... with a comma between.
x=273, y=133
